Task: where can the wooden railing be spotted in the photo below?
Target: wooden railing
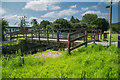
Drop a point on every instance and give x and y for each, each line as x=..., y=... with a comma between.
x=72, y=35
x=48, y=34
x=87, y=33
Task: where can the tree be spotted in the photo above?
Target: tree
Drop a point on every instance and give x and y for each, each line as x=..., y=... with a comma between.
x=61, y=23
x=88, y=18
x=101, y=23
x=77, y=20
x=34, y=23
x=44, y=23
x=3, y=24
x=22, y=22
x=76, y=25
x=116, y=28
x=72, y=19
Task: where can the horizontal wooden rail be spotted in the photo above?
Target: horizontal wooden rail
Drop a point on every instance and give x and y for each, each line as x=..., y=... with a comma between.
x=92, y=33
x=72, y=40
x=77, y=32
x=77, y=46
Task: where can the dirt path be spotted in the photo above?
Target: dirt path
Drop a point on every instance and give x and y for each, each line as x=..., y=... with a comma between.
x=52, y=54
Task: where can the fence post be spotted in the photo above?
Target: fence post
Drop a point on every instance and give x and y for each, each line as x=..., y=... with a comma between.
x=119, y=41
x=10, y=35
x=69, y=44
x=85, y=38
x=32, y=36
x=100, y=34
x=94, y=36
x=26, y=35
x=36, y=34
x=52, y=33
x=57, y=36
x=39, y=35
x=17, y=36
x=47, y=36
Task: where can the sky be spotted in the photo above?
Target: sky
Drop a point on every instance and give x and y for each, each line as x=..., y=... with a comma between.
x=46, y=10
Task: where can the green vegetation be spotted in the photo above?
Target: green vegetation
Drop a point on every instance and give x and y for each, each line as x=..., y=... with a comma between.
x=95, y=61
x=11, y=43
x=3, y=24
x=114, y=38
x=116, y=27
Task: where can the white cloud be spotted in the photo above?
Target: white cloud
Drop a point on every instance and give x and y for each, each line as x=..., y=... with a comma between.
x=99, y=13
x=95, y=7
x=54, y=7
x=66, y=18
x=38, y=19
x=11, y=17
x=2, y=11
x=74, y=6
x=41, y=6
x=66, y=12
x=84, y=9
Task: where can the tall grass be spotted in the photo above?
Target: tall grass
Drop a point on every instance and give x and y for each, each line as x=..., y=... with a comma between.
x=95, y=61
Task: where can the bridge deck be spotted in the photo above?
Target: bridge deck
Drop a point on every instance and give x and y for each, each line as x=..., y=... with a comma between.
x=61, y=40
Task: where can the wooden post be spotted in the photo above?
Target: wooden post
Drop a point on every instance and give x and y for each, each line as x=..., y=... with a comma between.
x=100, y=34
x=57, y=36
x=17, y=36
x=36, y=34
x=26, y=35
x=10, y=35
x=32, y=36
x=86, y=38
x=22, y=60
x=119, y=41
x=39, y=35
x=94, y=36
x=47, y=36
x=91, y=33
x=69, y=44
x=52, y=33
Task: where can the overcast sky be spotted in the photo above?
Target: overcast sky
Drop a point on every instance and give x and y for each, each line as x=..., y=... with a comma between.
x=46, y=10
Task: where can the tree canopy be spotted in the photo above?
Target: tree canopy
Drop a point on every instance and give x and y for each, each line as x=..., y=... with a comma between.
x=101, y=23
x=4, y=24
x=88, y=18
x=34, y=23
x=62, y=23
x=44, y=23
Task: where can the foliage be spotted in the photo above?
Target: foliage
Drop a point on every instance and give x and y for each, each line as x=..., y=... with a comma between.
x=23, y=22
x=44, y=23
x=95, y=61
x=101, y=23
x=72, y=19
x=76, y=25
x=3, y=24
x=34, y=23
x=61, y=23
x=116, y=27
x=88, y=18
x=11, y=43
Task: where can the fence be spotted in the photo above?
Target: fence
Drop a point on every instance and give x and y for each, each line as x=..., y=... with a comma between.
x=87, y=33
x=72, y=35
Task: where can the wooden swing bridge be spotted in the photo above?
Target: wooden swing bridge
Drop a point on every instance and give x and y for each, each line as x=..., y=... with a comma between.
x=71, y=38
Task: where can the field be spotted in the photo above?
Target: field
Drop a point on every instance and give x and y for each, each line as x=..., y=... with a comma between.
x=114, y=38
x=95, y=61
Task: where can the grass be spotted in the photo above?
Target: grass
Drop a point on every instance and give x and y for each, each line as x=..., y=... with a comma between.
x=95, y=61
x=11, y=43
